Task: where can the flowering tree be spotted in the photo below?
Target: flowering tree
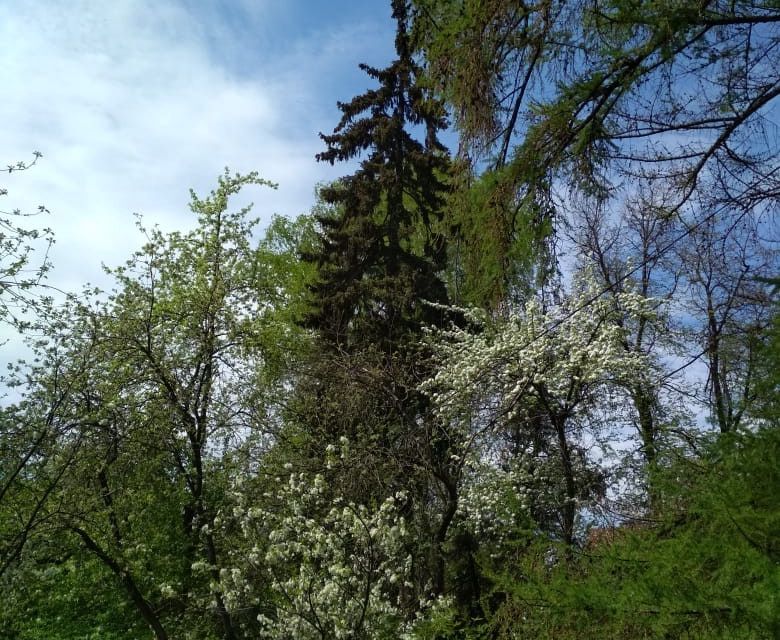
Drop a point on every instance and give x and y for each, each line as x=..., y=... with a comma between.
x=156, y=394
x=315, y=565
x=523, y=391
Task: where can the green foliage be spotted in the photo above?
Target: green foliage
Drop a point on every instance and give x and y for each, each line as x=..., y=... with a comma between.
x=768, y=374
x=147, y=401
x=19, y=280
x=381, y=248
x=566, y=83
x=705, y=567
x=65, y=597
x=298, y=437
x=559, y=102
x=499, y=241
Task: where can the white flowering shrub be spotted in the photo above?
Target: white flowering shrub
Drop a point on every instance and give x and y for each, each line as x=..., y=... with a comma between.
x=317, y=566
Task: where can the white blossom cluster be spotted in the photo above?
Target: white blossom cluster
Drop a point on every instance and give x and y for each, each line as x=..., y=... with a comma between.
x=493, y=500
x=566, y=350
x=334, y=569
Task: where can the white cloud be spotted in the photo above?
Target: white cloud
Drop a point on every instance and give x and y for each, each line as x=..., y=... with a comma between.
x=132, y=103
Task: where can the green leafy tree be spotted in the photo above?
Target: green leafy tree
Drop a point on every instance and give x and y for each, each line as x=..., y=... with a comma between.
x=40, y=434
x=768, y=364
x=170, y=381
x=596, y=98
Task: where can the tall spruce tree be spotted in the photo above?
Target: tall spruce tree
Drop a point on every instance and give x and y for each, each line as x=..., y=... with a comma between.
x=379, y=262
x=382, y=251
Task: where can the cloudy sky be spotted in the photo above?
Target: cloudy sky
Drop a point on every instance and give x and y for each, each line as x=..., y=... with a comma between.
x=132, y=102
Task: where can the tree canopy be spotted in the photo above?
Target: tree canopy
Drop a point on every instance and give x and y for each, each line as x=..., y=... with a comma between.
x=525, y=387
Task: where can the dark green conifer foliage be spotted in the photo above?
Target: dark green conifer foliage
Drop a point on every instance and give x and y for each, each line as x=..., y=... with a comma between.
x=382, y=251
x=380, y=262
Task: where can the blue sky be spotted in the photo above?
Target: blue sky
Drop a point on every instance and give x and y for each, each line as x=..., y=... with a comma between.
x=132, y=102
